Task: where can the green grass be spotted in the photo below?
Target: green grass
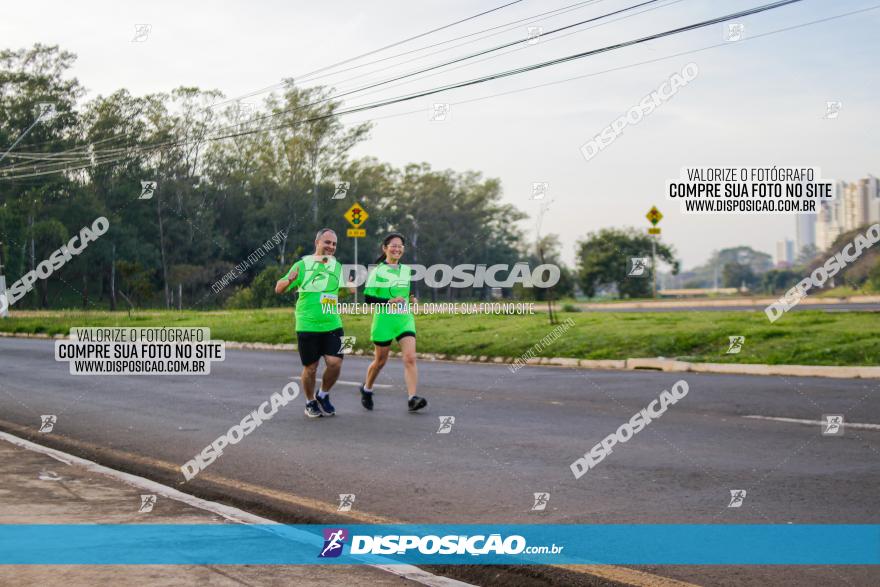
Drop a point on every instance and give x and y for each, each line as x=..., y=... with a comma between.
x=845, y=291
x=803, y=337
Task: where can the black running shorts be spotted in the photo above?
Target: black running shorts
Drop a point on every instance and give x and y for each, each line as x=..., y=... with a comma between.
x=314, y=345
x=388, y=342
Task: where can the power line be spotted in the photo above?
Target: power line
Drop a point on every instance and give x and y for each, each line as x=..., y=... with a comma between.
x=372, y=52
x=621, y=67
x=398, y=43
x=21, y=136
x=533, y=18
x=343, y=62
x=483, y=79
x=670, y=3
x=329, y=98
x=434, y=67
x=451, y=62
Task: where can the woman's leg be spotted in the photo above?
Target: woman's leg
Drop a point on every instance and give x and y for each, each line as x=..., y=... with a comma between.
x=380, y=357
x=410, y=369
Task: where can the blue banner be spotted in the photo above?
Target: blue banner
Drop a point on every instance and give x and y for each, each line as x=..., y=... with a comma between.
x=277, y=544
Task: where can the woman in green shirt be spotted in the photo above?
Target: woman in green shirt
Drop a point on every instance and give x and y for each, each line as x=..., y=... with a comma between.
x=388, y=288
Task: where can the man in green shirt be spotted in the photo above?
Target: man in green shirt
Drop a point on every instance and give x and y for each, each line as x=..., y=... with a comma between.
x=318, y=324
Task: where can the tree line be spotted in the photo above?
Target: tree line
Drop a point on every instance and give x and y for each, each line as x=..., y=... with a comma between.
x=218, y=200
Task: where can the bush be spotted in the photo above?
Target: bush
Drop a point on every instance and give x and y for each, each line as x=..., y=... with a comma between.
x=261, y=292
x=242, y=299
x=874, y=276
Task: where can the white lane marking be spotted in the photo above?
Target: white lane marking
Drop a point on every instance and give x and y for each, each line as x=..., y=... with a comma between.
x=355, y=383
x=232, y=514
x=814, y=422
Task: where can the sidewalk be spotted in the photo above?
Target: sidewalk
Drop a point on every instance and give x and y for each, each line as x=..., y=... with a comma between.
x=38, y=489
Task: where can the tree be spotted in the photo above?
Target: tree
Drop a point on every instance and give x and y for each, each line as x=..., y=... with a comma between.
x=552, y=254
x=737, y=275
x=806, y=254
x=604, y=259
x=226, y=184
x=777, y=280
x=709, y=274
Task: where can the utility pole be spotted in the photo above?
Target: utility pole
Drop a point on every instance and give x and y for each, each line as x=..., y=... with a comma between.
x=4, y=300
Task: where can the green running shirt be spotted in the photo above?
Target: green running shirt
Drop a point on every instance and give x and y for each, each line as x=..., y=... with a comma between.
x=318, y=287
x=384, y=283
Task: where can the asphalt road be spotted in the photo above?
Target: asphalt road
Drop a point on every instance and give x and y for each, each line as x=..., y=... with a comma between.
x=514, y=434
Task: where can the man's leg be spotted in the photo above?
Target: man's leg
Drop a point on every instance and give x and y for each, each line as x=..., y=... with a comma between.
x=309, y=373
x=332, y=368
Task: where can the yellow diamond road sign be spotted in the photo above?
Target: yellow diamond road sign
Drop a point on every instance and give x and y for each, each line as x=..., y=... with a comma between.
x=654, y=215
x=356, y=215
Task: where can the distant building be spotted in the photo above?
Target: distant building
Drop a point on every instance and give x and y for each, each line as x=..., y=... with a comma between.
x=829, y=224
x=857, y=204
x=805, y=231
x=870, y=188
x=784, y=253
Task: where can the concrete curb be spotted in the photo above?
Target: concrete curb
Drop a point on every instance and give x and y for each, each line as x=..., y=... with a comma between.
x=650, y=364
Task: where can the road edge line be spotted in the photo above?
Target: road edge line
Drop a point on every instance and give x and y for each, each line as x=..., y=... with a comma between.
x=232, y=514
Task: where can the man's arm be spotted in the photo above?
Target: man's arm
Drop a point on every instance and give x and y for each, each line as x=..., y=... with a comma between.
x=289, y=281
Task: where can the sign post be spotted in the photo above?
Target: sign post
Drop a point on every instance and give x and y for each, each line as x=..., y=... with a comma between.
x=4, y=300
x=356, y=216
x=654, y=217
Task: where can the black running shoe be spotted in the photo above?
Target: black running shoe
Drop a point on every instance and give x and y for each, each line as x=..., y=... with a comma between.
x=325, y=405
x=416, y=403
x=312, y=409
x=366, y=398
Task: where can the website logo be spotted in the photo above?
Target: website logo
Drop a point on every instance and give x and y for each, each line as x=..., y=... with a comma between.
x=334, y=539
x=148, y=502
x=341, y=191
x=736, y=344
x=832, y=424
x=541, y=501
x=347, y=345
x=47, y=423
x=446, y=423
x=638, y=265
x=346, y=500
x=737, y=497
x=148, y=188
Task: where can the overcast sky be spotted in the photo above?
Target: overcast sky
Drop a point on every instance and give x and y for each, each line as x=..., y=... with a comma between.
x=758, y=101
